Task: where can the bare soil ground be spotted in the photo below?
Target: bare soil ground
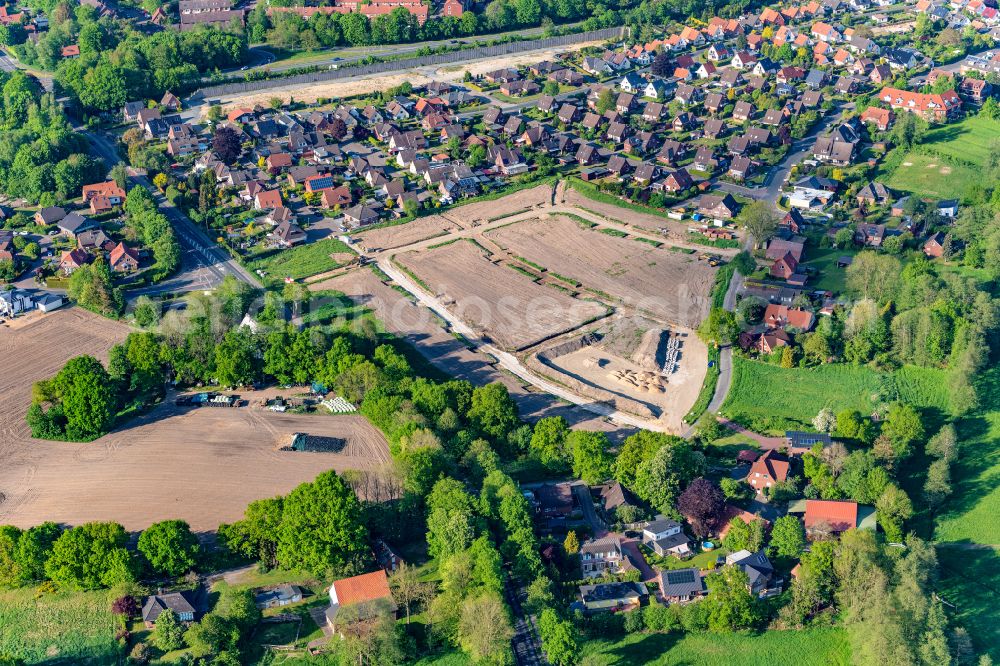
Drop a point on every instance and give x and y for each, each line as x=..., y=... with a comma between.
x=646, y=221
x=595, y=366
x=35, y=348
x=401, y=235
x=485, y=211
x=511, y=308
x=203, y=465
x=311, y=92
x=667, y=285
x=421, y=328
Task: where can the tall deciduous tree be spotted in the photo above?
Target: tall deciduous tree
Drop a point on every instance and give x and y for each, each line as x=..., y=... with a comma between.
x=701, y=504
x=485, y=630
x=759, y=219
x=559, y=639
x=91, y=556
x=321, y=529
x=168, y=633
x=226, y=144
x=788, y=537
x=591, y=460
x=169, y=547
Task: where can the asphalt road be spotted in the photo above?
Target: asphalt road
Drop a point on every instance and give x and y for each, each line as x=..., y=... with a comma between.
x=203, y=263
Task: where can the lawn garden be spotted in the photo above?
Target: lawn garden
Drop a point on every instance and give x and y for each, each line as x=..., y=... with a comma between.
x=947, y=159
x=302, y=261
x=774, y=397
x=971, y=513
x=813, y=647
x=970, y=582
x=75, y=628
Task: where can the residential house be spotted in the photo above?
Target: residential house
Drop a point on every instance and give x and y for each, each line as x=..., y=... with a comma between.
x=337, y=196
x=632, y=83
x=49, y=215
x=975, y=91
x=14, y=302
x=764, y=581
x=743, y=111
x=719, y=208
x=704, y=160
x=947, y=208
x=714, y=128
x=784, y=317
x=624, y=103
x=267, y=199
x=659, y=89
x=740, y=168
x=874, y=193
x=937, y=107
x=74, y=223
x=359, y=598
x=833, y=150
x=123, y=259
x=784, y=267
x=678, y=586
x=881, y=118
x=288, y=233
x=800, y=441
x=826, y=518
x=614, y=496
x=612, y=597
x=666, y=537
x=934, y=246
x=870, y=235
x=604, y=555
x=179, y=602
x=74, y=259
x=554, y=500
x=769, y=469
x=568, y=113
x=278, y=596
x=596, y=66
x=361, y=215
x=170, y=102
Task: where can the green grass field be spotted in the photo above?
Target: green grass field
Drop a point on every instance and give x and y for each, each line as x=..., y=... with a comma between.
x=970, y=580
x=947, y=172
x=824, y=260
x=69, y=628
x=971, y=515
x=968, y=140
x=814, y=647
x=760, y=390
x=302, y=261
x=930, y=176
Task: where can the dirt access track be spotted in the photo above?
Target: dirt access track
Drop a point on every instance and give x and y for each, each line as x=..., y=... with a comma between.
x=364, y=85
x=506, y=305
x=203, y=465
x=668, y=285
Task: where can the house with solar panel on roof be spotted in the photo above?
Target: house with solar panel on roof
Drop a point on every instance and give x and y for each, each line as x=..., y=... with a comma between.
x=679, y=586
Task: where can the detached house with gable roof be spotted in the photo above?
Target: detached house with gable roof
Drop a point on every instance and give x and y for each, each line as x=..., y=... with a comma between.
x=359, y=598
x=769, y=469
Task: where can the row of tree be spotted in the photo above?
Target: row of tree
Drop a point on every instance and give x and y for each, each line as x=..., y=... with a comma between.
x=94, y=555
